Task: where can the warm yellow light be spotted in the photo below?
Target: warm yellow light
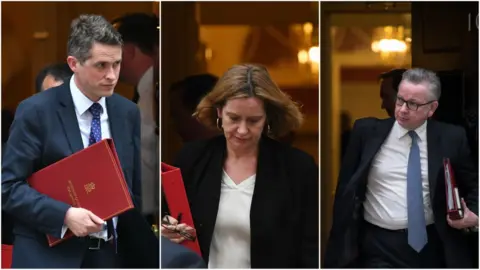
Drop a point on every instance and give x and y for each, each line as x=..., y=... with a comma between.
x=314, y=54
x=302, y=56
x=208, y=54
x=389, y=45
x=308, y=28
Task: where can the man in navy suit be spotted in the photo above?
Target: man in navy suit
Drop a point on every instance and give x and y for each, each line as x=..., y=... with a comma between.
x=177, y=256
x=55, y=124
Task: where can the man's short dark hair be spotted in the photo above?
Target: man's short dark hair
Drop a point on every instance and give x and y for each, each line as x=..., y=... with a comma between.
x=194, y=88
x=396, y=75
x=61, y=72
x=140, y=29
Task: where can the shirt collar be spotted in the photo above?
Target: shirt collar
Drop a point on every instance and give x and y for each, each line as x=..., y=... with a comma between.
x=421, y=131
x=81, y=102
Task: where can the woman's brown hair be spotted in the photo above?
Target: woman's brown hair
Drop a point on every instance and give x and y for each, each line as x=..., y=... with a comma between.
x=249, y=80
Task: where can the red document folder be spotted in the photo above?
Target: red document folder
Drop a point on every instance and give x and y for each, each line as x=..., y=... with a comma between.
x=454, y=204
x=7, y=253
x=176, y=197
x=91, y=178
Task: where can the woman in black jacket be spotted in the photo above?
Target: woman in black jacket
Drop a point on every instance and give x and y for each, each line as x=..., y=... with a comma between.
x=254, y=200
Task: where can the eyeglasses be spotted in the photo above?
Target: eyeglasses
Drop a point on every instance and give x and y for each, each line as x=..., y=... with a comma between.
x=413, y=106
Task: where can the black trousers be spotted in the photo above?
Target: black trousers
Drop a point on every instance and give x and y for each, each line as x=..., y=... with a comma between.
x=382, y=248
x=105, y=257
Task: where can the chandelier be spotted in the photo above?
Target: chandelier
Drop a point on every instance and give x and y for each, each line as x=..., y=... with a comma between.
x=309, y=54
x=392, y=43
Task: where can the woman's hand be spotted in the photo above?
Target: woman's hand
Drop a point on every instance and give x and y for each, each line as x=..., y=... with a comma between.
x=173, y=231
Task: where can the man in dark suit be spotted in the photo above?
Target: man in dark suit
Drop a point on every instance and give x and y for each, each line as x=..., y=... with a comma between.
x=56, y=123
x=177, y=256
x=390, y=203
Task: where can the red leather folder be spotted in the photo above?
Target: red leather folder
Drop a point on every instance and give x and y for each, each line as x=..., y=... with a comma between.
x=176, y=197
x=454, y=204
x=91, y=178
x=7, y=253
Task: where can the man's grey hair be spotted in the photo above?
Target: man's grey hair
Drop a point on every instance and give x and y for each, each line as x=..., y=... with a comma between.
x=424, y=76
x=87, y=30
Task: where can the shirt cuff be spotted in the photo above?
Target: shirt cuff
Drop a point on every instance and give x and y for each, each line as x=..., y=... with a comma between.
x=64, y=230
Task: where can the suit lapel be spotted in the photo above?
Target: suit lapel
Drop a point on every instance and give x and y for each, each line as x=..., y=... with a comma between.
x=118, y=124
x=68, y=118
x=374, y=140
x=268, y=204
x=205, y=189
x=434, y=156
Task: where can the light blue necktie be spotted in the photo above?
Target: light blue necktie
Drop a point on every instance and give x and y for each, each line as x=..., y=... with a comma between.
x=417, y=228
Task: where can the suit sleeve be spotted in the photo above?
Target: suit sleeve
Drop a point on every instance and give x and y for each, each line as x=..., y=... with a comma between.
x=350, y=163
x=176, y=256
x=23, y=151
x=467, y=176
x=137, y=160
x=310, y=215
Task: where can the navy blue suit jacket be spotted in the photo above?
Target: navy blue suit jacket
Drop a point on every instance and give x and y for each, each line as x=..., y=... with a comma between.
x=177, y=256
x=45, y=130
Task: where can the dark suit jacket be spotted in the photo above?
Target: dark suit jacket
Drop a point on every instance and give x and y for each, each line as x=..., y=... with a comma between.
x=177, y=256
x=368, y=135
x=284, y=212
x=45, y=130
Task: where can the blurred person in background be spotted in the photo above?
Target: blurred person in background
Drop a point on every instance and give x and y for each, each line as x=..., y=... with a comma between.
x=389, y=82
x=52, y=75
x=185, y=95
x=140, y=35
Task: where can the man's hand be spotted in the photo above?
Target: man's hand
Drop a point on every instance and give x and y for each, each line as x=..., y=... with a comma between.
x=82, y=222
x=469, y=219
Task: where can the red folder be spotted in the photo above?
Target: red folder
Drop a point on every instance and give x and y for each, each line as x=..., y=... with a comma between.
x=454, y=204
x=7, y=253
x=176, y=197
x=86, y=179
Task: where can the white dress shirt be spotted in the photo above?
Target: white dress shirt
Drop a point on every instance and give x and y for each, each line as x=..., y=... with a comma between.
x=149, y=144
x=385, y=204
x=84, y=117
x=230, y=246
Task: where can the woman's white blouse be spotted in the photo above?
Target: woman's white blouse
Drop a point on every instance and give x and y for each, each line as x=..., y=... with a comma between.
x=230, y=246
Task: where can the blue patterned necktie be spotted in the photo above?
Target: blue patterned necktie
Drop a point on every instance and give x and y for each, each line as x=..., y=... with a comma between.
x=96, y=129
x=96, y=136
x=417, y=228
